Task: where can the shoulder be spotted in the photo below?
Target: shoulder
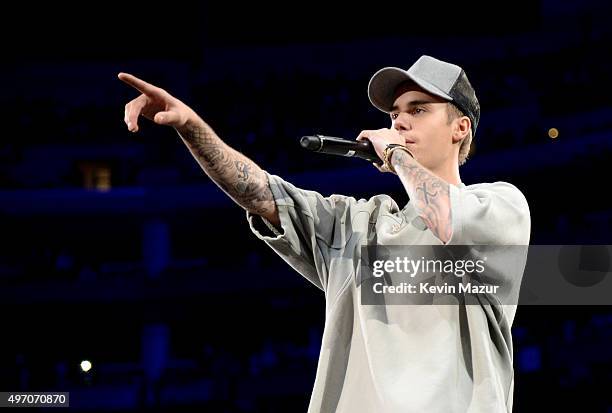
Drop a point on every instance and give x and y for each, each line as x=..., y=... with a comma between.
x=501, y=189
x=495, y=213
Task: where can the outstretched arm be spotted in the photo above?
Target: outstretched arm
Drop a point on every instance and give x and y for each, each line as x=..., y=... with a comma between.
x=240, y=178
x=244, y=181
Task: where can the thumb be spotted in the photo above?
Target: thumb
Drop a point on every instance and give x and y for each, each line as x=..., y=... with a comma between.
x=169, y=118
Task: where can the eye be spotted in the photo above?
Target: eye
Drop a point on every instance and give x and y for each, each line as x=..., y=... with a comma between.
x=394, y=116
x=418, y=110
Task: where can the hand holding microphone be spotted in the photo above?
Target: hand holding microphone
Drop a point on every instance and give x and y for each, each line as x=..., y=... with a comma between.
x=370, y=145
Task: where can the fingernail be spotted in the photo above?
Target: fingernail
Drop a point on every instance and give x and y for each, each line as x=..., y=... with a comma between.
x=130, y=125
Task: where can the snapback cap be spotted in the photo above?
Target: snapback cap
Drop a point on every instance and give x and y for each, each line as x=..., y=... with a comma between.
x=439, y=78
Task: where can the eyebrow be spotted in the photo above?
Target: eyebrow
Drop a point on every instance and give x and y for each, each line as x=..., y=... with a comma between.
x=414, y=103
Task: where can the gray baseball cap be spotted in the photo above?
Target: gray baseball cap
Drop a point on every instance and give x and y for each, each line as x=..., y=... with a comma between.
x=439, y=78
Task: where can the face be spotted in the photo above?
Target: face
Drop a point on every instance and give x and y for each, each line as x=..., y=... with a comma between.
x=422, y=119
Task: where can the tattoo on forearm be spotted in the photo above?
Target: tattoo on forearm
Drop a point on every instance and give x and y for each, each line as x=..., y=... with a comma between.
x=243, y=170
x=237, y=175
x=431, y=194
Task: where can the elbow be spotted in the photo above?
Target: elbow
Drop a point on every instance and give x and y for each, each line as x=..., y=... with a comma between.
x=271, y=215
x=274, y=219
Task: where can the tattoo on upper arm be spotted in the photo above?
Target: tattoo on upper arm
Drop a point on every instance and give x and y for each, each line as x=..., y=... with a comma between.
x=240, y=177
x=431, y=194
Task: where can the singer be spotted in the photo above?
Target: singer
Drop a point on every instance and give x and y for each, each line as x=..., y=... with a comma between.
x=383, y=358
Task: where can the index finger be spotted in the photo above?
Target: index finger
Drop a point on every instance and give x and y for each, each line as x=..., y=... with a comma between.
x=138, y=84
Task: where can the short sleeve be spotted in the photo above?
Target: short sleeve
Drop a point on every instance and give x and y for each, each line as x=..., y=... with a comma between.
x=489, y=214
x=311, y=226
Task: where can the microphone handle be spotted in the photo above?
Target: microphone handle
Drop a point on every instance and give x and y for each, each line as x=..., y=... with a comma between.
x=337, y=146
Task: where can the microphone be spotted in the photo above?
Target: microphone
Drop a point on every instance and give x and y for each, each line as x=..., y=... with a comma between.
x=338, y=146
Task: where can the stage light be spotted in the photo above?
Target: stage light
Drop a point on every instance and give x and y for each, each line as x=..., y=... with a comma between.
x=85, y=365
x=553, y=133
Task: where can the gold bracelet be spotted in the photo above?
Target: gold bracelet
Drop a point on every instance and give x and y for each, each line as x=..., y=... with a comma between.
x=388, y=152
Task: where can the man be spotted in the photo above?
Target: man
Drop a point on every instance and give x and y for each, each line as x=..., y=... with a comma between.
x=377, y=358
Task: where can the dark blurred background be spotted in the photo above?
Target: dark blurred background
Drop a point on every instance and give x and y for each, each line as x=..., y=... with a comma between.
x=118, y=250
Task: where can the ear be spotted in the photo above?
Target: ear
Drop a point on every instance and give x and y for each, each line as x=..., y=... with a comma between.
x=461, y=128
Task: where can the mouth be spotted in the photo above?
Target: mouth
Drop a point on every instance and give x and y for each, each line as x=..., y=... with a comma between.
x=407, y=139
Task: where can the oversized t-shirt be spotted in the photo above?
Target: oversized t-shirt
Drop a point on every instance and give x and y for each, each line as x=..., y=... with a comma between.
x=404, y=358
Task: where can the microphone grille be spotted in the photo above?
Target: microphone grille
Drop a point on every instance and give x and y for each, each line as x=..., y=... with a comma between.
x=311, y=142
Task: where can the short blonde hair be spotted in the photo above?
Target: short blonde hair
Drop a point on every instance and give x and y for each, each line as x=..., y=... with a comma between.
x=453, y=113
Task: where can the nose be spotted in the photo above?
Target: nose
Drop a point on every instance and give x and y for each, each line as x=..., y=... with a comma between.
x=402, y=122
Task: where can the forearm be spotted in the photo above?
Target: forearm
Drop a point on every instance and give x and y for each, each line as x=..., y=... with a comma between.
x=429, y=194
x=238, y=176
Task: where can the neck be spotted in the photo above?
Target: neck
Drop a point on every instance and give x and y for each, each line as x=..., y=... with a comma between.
x=449, y=172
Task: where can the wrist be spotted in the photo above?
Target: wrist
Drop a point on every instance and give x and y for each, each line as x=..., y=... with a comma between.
x=195, y=129
x=388, y=158
x=192, y=122
x=398, y=156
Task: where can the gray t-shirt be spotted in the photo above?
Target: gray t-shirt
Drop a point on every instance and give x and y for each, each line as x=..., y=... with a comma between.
x=403, y=358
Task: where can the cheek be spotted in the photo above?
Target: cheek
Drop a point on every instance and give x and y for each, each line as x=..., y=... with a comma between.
x=443, y=138
x=437, y=149
x=436, y=140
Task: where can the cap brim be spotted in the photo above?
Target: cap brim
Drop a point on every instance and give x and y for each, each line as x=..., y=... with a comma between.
x=382, y=86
